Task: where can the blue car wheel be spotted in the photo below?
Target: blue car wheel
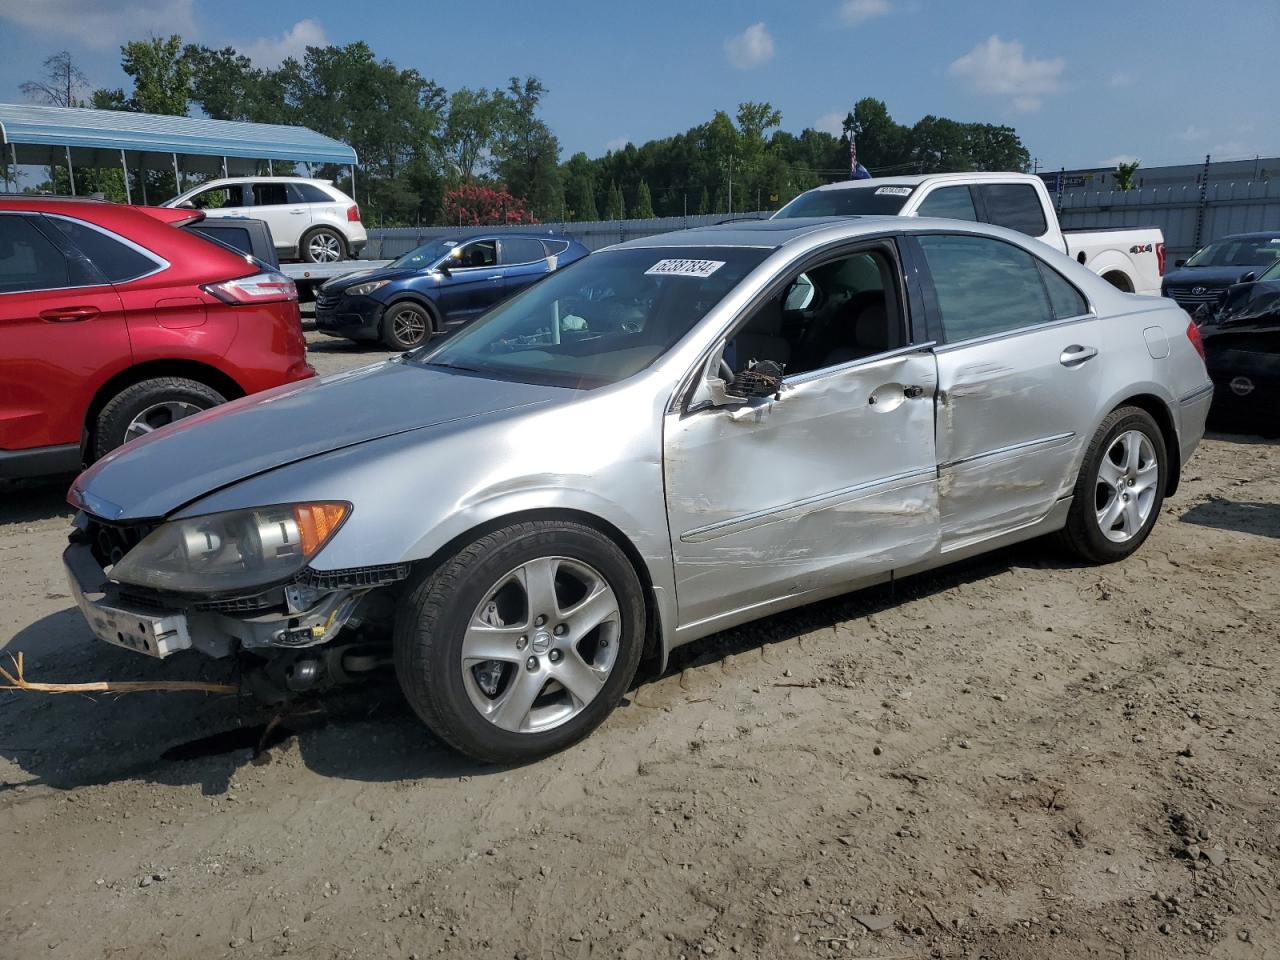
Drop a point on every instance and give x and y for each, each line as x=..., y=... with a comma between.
x=406, y=325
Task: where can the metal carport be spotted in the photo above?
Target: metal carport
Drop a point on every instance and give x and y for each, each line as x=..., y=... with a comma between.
x=137, y=142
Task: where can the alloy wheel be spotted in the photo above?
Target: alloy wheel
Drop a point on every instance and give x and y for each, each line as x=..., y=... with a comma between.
x=324, y=248
x=541, y=644
x=409, y=325
x=159, y=415
x=1128, y=475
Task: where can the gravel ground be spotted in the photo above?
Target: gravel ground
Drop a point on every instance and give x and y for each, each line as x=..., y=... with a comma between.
x=1016, y=757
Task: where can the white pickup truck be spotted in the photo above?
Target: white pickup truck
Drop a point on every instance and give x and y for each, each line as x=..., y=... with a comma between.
x=1130, y=258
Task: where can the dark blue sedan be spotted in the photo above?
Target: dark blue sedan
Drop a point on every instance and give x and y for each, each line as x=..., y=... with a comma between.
x=438, y=286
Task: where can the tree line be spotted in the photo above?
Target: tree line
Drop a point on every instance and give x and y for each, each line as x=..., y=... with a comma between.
x=419, y=144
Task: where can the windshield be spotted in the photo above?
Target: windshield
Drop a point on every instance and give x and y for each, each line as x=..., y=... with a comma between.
x=884, y=201
x=425, y=255
x=1240, y=252
x=1273, y=273
x=599, y=320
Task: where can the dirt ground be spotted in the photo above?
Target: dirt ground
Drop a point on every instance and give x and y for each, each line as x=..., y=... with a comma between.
x=1016, y=757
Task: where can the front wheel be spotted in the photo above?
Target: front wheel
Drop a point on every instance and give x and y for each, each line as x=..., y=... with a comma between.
x=405, y=326
x=523, y=642
x=1120, y=489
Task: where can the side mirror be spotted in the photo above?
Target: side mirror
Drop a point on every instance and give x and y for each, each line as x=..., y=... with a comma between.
x=187, y=205
x=1179, y=263
x=443, y=269
x=1249, y=277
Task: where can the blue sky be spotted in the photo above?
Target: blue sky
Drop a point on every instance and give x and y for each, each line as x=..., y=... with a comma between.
x=1085, y=83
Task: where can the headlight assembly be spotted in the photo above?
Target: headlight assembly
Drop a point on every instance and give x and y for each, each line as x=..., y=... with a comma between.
x=239, y=549
x=364, y=289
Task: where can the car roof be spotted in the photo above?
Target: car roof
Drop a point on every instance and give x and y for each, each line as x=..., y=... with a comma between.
x=1251, y=235
x=256, y=179
x=917, y=179
x=762, y=234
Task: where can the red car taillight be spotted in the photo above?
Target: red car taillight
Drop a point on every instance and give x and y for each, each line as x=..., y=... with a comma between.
x=265, y=287
x=1193, y=334
x=353, y=214
x=1160, y=258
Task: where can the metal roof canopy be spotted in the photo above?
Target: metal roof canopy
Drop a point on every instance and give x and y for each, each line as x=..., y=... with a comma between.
x=44, y=135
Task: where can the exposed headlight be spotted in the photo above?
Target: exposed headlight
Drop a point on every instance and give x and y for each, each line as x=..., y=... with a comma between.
x=364, y=289
x=231, y=551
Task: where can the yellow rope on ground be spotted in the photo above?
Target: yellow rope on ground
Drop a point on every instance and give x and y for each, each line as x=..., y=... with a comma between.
x=16, y=681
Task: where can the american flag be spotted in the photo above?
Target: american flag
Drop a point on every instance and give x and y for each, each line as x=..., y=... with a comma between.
x=856, y=170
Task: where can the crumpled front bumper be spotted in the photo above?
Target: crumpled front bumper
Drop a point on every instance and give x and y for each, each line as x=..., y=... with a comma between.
x=159, y=629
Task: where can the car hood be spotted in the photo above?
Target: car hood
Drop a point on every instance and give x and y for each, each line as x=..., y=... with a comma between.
x=1255, y=306
x=339, y=284
x=161, y=472
x=1208, y=276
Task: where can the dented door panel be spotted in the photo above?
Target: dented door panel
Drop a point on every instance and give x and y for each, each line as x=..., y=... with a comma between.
x=791, y=496
x=1012, y=419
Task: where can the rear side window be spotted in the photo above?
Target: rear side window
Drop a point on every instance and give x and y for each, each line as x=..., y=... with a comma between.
x=984, y=286
x=270, y=194
x=1067, y=300
x=1016, y=206
x=522, y=250
x=310, y=193
x=28, y=259
x=955, y=203
x=115, y=260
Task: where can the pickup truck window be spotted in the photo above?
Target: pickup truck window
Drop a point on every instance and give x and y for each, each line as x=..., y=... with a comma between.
x=954, y=203
x=884, y=200
x=984, y=286
x=1016, y=206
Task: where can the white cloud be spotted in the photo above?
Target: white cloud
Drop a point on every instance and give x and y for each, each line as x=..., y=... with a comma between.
x=997, y=68
x=832, y=123
x=854, y=12
x=617, y=143
x=1120, y=79
x=1118, y=159
x=1193, y=133
x=272, y=51
x=102, y=24
x=751, y=48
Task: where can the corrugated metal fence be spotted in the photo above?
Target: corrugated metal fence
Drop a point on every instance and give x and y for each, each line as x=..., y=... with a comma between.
x=388, y=242
x=1188, y=218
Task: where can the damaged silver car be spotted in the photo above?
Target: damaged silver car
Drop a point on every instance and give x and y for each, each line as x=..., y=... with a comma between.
x=673, y=436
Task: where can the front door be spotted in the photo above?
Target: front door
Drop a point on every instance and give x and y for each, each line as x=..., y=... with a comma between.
x=1017, y=383
x=834, y=483
x=474, y=283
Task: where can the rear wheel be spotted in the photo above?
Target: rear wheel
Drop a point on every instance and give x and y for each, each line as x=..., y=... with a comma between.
x=406, y=325
x=323, y=245
x=1120, y=489
x=523, y=642
x=148, y=405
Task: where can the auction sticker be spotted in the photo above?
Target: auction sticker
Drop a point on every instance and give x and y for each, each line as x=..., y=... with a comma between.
x=685, y=268
x=893, y=191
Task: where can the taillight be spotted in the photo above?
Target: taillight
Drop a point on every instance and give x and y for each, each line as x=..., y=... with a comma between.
x=353, y=214
x=1160, y=258
x=265, y=287
x=1193, y=334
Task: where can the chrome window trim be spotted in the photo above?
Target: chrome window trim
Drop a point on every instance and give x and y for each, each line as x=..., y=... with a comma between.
x=1016, y=332
x=161, y=262
x=810, y=376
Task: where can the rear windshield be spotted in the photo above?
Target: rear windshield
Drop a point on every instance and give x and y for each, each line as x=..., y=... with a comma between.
x=599, y=320
x=884, y=200
x=1240, y=252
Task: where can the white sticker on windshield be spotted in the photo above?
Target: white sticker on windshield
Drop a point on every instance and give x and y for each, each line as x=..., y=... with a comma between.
x=685, y=268
x=893, y=191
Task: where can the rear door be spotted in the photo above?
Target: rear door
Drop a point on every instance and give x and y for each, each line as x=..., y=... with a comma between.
x=523, y=260
x=1018, y=370
x=284, y=212
x=62, y=333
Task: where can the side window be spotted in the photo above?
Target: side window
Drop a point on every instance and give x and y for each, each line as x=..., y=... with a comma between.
x=1016, y=206
x=115, y=260
x=1067, y=300
x=309, y=193
x=555, y=247
x=270, y=194
x=838, y=311
x=28, y=259
x=955, y=203
x=217, y=197
x=478, y=253
x=984, y=286
x=522, y=250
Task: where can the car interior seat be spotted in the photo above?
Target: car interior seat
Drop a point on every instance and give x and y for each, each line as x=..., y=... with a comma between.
x=761, y=338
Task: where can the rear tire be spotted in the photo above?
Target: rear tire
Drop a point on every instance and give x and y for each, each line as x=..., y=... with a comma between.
x=323, y=245
x=406, y=325
x=1118, y=494
x=483, y=600
x=147, y=406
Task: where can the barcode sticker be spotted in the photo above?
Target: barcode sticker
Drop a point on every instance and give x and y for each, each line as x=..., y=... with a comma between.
x=685, y=268
x=893, y=191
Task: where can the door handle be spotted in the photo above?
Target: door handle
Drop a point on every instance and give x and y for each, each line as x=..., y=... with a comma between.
x=496, y=276
x=912, y=392
x=298, y=212
x=1075, y=355
x=69, y=314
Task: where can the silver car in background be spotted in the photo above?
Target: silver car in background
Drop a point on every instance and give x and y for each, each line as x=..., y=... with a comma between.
x=668, y=438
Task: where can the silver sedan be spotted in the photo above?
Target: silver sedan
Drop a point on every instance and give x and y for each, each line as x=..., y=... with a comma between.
x=668, y=438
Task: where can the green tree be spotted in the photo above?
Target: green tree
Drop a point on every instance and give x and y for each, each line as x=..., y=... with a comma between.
x=527, y=152
x=704, y=203
x=580, y=188
x=161, y=76
x=227, y=86
x=471, y=130
x=615, y=209
x=644, y=203
x=1125, y=173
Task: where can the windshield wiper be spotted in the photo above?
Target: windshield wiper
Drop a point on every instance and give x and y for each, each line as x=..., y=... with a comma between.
x=453, y=366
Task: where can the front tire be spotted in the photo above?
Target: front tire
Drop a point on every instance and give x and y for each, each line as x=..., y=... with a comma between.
x=406, y=325
x=147, y=406
x=523, y=642
x=1120, y=490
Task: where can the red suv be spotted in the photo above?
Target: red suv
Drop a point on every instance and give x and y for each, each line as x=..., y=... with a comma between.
x=113, y=322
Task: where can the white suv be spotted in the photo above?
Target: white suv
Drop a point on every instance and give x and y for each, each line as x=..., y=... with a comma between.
x=310, y=220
